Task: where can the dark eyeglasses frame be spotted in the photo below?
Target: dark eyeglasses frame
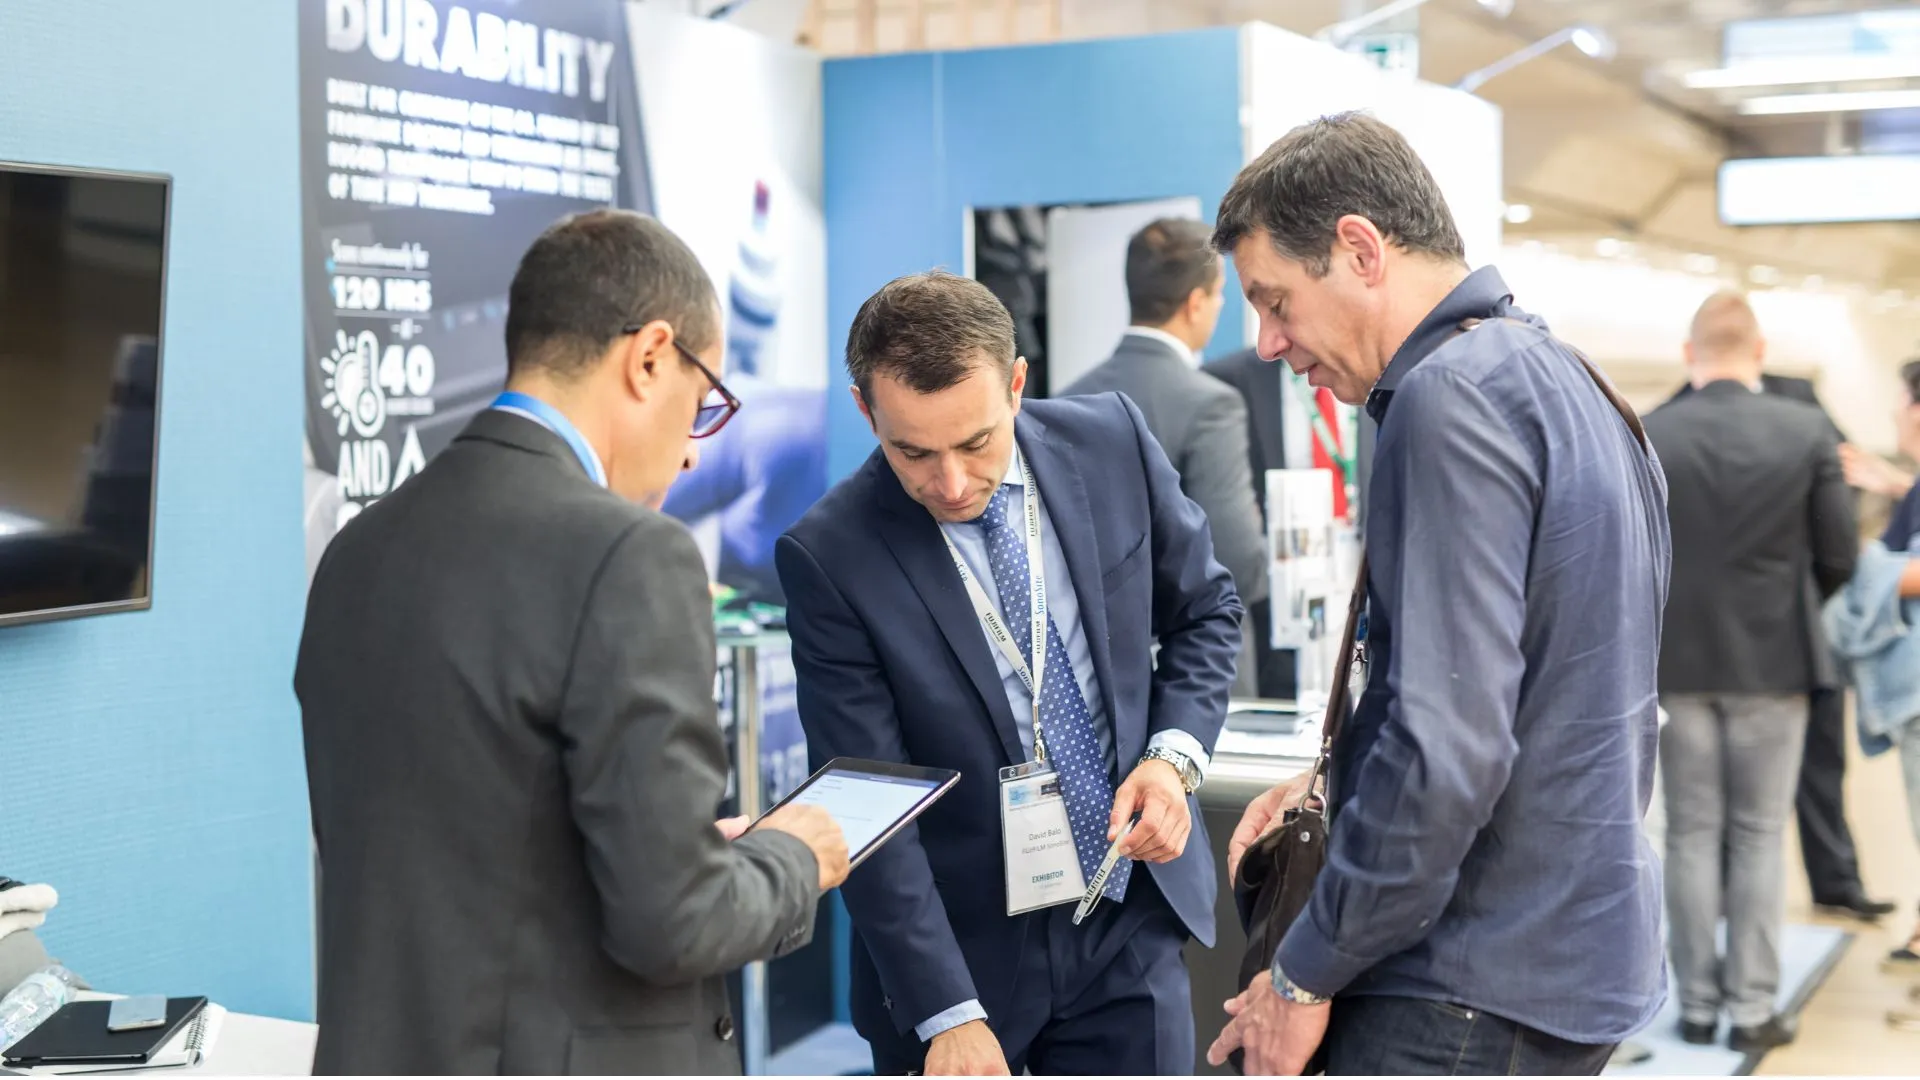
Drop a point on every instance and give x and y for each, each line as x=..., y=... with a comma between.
x=711, y=418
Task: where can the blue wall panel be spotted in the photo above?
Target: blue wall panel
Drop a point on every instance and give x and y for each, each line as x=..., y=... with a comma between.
x=150, y=763
x=914, y=141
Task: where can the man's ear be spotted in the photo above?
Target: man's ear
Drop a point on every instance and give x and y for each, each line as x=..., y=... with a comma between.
x=1359, y=242
x=861, y=403
x=641, y=355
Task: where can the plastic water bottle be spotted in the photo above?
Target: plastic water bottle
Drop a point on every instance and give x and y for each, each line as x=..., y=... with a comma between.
x=754, y=299
x=35, y=999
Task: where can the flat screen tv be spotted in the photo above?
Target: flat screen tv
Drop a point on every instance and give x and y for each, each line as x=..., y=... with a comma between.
x=83, y=258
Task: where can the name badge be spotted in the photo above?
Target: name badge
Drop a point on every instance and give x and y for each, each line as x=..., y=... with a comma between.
x=1043, y=866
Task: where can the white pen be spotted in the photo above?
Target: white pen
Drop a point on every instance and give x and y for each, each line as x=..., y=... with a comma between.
x=1100, y=876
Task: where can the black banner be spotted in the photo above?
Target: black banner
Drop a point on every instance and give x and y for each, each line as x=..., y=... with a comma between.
x=438, y=139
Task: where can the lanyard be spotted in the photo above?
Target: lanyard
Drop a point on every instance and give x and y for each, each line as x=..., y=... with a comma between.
x=1037, y=606
x=532, y=408
x=1318, y=421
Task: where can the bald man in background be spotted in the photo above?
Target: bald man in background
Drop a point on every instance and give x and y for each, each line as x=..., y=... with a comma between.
x=1763, y=530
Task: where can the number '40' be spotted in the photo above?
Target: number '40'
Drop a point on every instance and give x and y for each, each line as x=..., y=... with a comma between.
x=406, y=370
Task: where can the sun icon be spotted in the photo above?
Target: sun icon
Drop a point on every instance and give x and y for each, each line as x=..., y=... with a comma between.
x=352, y=392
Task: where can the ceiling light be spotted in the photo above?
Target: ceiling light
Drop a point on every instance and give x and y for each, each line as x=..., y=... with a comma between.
x=1519, y=213
x=1589, y=39
x=1593, y=41
x=1608, y=247
x=1848, y=101
x=1814, y=283
x=1697, y=263
x=1763, y=275
x=1801, y=70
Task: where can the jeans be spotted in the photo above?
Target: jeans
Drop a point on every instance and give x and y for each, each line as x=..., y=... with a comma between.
x=1729, y=766
x=1399, y=1036
x=1910, y=771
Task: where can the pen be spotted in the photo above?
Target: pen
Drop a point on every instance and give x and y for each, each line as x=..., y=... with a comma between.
x=1099, y=882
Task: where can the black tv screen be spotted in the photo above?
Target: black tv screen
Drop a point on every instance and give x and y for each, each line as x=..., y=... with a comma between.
x=83, y=260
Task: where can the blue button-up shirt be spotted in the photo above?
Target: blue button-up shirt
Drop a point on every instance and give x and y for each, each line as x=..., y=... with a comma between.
x=1488, y=794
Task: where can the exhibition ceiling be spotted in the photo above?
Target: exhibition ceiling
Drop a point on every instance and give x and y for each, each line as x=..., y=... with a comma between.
x=1612, y=157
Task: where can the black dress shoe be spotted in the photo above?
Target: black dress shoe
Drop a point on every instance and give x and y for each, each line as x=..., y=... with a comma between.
x=1858, y=907
x=1697, y=1034
x=1761, y=1037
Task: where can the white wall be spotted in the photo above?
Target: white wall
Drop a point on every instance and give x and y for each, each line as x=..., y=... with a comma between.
x=1632, y=319
x=724, y=107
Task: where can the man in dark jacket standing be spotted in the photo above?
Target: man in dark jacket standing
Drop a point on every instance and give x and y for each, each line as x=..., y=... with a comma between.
x=506, y=684
x=1819, y=799
x=1761, y=514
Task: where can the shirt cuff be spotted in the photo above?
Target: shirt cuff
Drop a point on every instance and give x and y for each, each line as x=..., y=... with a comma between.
x=1185, y=745
x=1313, y=962
x=964, y=1013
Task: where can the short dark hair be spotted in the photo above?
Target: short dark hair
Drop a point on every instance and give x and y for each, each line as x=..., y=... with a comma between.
x=929, y=331
x=591, y=275
x=1910, y=374
x=1166, y=261
x=1348, y=163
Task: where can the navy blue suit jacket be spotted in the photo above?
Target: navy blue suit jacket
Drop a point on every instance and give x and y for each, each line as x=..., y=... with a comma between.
x=892, y=664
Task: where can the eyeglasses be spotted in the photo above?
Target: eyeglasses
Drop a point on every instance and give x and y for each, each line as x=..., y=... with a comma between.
x=711, y=417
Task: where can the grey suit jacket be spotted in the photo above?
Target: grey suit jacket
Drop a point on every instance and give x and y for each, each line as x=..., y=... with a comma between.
x=1762, y=518
x=506, y=686
x=1202, y=425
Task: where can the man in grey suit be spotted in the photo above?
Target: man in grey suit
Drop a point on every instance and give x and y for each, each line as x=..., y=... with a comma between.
x=1174, y=283
x=1761, y=517
x=506, y=684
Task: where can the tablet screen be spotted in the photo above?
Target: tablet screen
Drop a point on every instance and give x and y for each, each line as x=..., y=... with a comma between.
x=866, y=804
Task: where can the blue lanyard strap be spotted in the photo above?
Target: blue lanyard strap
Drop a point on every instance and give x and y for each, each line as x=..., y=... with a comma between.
x=532, y=408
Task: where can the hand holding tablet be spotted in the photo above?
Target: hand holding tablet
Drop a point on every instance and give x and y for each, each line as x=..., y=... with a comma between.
x=815, y=828
x=870, y=801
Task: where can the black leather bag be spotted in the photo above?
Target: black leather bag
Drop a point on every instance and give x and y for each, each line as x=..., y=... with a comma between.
x=1276, y=875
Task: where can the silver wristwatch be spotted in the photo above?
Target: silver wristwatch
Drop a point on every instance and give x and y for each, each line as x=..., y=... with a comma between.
x=1293, y=991
x=1182, y=764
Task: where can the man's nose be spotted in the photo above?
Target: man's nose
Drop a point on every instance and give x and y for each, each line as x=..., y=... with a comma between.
x=953, y=480
x=1273, y=344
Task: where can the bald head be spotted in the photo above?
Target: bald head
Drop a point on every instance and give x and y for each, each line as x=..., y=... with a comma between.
x=1725, y=341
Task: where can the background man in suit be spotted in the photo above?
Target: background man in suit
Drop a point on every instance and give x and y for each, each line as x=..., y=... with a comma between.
x=894, y=660
x=1174, y=284
x=506, y=683
x=1759, y=508
x=1819, y=800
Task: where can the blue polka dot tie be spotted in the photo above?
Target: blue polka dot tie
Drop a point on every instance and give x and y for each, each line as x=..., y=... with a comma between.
x=1065, y=724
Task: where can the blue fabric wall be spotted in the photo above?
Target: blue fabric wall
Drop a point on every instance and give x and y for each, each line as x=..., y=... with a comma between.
x=150, y=763
x=913, y=141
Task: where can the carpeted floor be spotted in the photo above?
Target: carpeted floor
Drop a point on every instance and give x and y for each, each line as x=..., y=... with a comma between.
x=1807, y=956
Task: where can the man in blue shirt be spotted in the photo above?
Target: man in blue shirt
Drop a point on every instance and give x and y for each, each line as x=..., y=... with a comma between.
x=1489, y=902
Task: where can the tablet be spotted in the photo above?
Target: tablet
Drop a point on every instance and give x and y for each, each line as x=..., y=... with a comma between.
x=871, y=800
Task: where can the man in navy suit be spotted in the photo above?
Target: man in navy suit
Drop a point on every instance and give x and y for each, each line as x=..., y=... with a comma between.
x=900, y=656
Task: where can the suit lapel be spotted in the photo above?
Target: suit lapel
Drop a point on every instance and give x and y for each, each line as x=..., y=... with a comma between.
x=1064, y=493
x=1268, y=384
x=914, y=538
